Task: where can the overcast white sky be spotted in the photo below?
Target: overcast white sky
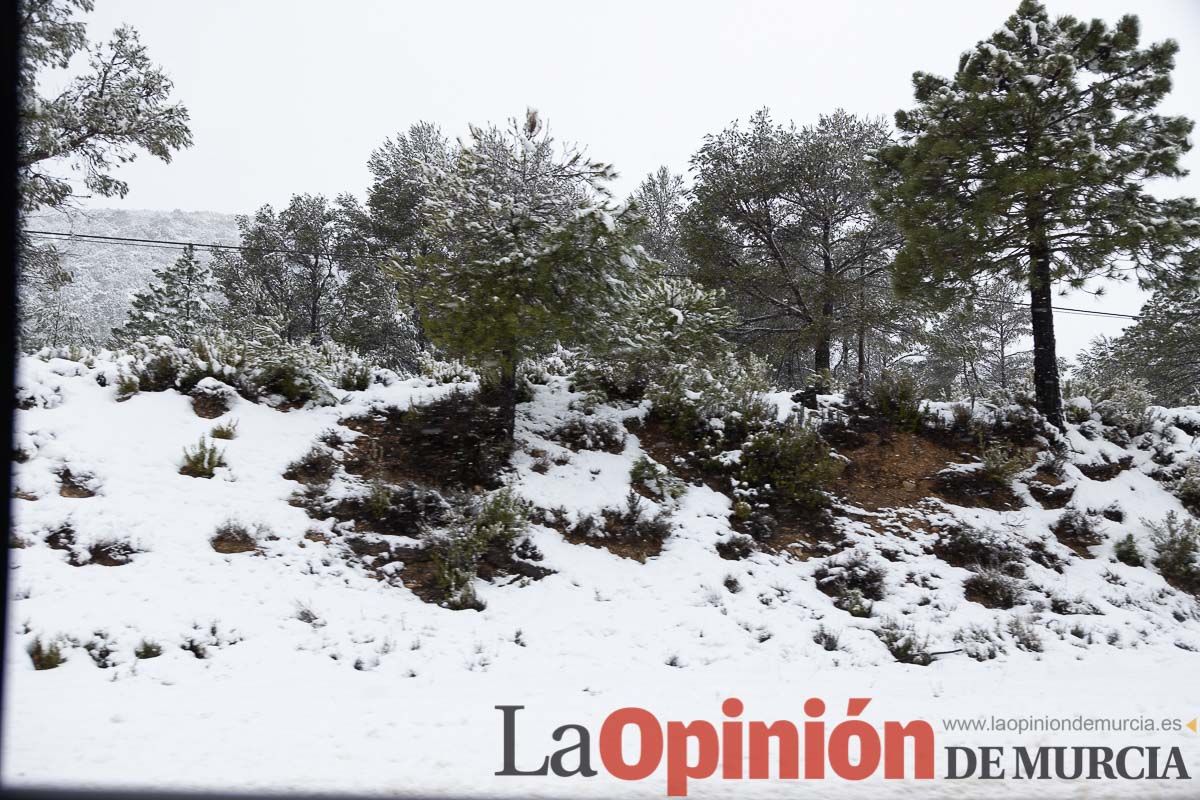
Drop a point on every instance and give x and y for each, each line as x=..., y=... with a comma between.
x=291, y=96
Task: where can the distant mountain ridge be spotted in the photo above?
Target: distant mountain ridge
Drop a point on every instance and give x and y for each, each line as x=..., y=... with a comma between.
x=107, y=274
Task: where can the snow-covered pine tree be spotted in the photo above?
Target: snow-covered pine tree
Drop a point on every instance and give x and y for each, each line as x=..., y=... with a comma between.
x=532, y=250
x=1030, y=163
x=175, y=304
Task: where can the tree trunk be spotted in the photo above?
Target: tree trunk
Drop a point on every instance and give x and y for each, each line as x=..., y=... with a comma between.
x=1045, y=359
x=506, y=394
x=822, y=358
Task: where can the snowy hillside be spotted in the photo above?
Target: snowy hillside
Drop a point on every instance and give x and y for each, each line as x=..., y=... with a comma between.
x=108, y=273
x=280, y=620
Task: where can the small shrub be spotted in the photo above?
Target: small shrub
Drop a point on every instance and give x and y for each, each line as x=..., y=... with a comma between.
x=45, y=656
x=127, y=386
x=1177, y=552
x=233, y=537
x=993, y=589
x=854, y=604
x=1077, y=531
x=1000, y=465
x=211, y=398
x=978, y=643
x=1113, y=512
x=316, y=466
x=225, y=430
x=981, y=549
x=894, y=398
x=904, y=644
x=962, y=416
x=1024, y=635
x=1187, y=488
x=202, y=461
x=147, y=649
x=1127, y=552
x=656, y=479
x=100, y=649
x=354, y=378
x=852, y=580
x=792, y=463
x=497, y=522
x=826, y=638
x=591, y=433
x=736, y=547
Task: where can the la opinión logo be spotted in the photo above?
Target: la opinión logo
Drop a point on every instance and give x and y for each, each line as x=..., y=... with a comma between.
x=732, y=744
x=633, y=744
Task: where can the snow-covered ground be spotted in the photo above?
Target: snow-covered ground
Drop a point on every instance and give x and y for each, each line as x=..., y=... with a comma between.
x=379, y=691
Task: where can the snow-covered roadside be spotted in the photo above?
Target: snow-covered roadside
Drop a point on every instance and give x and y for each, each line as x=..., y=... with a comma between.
x=383, y=692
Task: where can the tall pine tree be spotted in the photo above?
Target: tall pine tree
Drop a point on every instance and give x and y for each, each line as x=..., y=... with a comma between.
x=532, y=250
x=1030, y=163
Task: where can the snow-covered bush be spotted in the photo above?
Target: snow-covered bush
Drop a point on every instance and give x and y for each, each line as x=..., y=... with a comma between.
x=1120, y=403
x=713, y=405
x=441, y=370
x=853, y=579
x=993, y=589
x=904, y=644
x=895, y=399
x=1187, y=488
x=591, y=433
x=499, y=520
x=1177, y=551
x=1127, y=552
x=789, y=462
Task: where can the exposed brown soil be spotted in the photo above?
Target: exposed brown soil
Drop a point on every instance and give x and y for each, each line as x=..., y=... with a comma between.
x=636, y=549
x=233, y=540
x=209, y=406
x=457, y=442
x=1049, y=490
x=1107, y=470
x=70, y=486
x=897, y=472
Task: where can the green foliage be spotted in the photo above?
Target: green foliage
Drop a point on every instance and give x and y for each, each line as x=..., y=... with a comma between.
x=660, y=321
x=117, y=106
x=1127, y=552
x=993, y=589
x=127, y=386
x=1187, y=488
x=530, y=248
x=500, y=520
x=713, y=405
x=591, y=433
x=1000, y=464
x=45, y=656
x=147, y=649
x=895, y=398
x=1030, y=163
x=656, y=479
x=175, y=304
x=790, y=462
x=1177, y=551
x=904, y=644
x=225, y=430
x=203, y=460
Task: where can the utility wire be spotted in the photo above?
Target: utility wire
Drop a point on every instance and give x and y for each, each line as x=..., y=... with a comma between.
x=167, y=244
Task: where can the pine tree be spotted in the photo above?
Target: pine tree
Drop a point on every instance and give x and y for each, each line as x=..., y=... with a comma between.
x=531, y=251
x=176, y=304
x=116, y=107
x=661, y=200
x=782, y=220
x=1030, y=163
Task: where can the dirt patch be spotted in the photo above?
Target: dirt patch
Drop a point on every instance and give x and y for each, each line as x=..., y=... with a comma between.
x=657, y=440
x=897, y=471
x=974, y=489
x=232, y=538
x=389, y=510
x=457, y=442
x=1050, y=491
x=108, y=553
x=209, y=406
x=1106, y=471
x=72, y=485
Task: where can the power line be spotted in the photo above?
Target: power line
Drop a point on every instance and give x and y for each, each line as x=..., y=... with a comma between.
x=167, y=244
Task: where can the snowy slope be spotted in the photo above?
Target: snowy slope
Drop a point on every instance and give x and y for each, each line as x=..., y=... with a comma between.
x=379, y=691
